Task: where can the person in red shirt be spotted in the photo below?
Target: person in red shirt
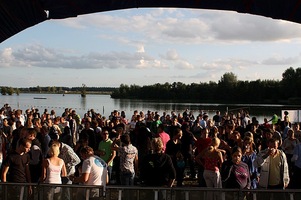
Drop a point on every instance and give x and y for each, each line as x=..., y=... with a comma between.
x=202, y=143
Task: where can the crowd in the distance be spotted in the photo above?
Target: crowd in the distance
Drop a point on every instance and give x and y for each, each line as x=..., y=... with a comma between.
x=230, y=150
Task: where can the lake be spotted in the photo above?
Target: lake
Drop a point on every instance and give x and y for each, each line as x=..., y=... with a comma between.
x=104, y=104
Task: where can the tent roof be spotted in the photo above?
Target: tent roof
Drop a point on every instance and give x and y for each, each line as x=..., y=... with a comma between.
x=17, y=15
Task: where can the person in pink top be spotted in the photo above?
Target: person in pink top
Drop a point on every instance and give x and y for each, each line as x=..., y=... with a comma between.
x=163, y=135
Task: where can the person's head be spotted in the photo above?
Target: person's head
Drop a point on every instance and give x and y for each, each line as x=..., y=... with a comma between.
x=5, y=122
x=105, y=134
x=31, y=134
x=215, y=142
x=54, y=150
x=177, y=133
x=157, y=145
x=204, y=133
x=290, y=133
x=23, y=145
x=273, y=143
x=119, y=130
x=248, y=144
x=125, y=139
x=236, y=136
x=87, y=124
x=236, y=155
x=296, y=126
x=269, y=133
x=86, y=152
x=248, y=134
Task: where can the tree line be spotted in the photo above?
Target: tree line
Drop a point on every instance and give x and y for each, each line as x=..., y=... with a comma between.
x=5, y=90
x=227, y=90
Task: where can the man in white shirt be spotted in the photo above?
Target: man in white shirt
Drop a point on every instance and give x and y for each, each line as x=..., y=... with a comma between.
x=94, y=172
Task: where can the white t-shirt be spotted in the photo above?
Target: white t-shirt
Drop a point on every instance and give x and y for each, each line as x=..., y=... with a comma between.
x=97, y=168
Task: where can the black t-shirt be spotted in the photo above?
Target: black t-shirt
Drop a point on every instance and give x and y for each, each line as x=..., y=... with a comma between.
x=157, y=169
x=17, y=167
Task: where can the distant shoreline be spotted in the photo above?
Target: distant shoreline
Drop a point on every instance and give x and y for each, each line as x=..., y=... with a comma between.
x=65, y=93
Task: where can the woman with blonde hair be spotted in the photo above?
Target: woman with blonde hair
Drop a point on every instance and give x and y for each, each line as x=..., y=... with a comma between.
x=53, y=169
x=212, y=161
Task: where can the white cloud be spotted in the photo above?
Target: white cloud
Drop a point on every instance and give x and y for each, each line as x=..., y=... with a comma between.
x=171, y=54
x=140, y=49
x=39, y=56
x=280, y=60
x=189, y=26
x=182, y=64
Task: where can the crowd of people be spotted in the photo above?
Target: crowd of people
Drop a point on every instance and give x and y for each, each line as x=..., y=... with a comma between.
x=230, y=150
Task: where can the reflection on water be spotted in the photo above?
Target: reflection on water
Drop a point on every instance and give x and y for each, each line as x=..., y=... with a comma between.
x=83, y=102
x=104, y=104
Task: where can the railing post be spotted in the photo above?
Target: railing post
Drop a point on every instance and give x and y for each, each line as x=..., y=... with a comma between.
x=156, y=195
x=223, y=195
x=254, y=195
x=87, y=193
x=291, y=196
x=22, y=193
x=186, y=195
x=119, y=194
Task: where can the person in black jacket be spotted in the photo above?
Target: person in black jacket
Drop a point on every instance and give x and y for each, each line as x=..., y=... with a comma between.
x=157, y=169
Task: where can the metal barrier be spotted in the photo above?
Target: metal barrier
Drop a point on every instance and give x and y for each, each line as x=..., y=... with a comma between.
x=14, y=191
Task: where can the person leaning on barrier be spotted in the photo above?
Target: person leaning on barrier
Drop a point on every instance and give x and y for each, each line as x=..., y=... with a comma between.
x=54, y=171
x=157, y=169
x=93, y=172
x=235, y=173
x=16, y=167
x=274, y=173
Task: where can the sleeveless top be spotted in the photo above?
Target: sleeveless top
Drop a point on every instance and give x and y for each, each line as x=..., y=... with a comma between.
x=211, y=164
x=54, y=173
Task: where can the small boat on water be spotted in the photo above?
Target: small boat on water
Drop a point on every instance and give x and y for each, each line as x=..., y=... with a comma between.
x=39, y=98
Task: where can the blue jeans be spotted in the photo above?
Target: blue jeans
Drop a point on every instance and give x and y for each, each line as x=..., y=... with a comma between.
x=127, y=178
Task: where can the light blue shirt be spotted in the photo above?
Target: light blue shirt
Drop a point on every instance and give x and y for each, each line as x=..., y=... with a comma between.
x=297, y=152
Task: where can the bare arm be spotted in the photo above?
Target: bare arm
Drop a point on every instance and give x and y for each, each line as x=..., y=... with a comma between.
x=221, y=159
x=136, y=163
x=44, y=170
x=4, y=173
x=64, y=171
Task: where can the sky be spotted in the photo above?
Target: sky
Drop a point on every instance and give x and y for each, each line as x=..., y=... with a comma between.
x=148, y=46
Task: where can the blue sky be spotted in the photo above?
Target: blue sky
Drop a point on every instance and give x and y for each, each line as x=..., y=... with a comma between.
x=148, y=46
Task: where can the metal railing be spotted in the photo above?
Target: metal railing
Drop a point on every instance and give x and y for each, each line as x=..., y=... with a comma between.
x=14, y=191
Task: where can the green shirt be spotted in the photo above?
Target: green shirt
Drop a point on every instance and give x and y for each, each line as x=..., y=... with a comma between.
x=106, y=147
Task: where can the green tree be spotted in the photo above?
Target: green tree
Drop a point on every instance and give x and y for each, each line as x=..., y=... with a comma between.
x=3, y=90
x=288, y=83
x=10, y=90
x=229, y=79
x=53, y=89
x=39, y=89
x=227, y=86
x=17, y=90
